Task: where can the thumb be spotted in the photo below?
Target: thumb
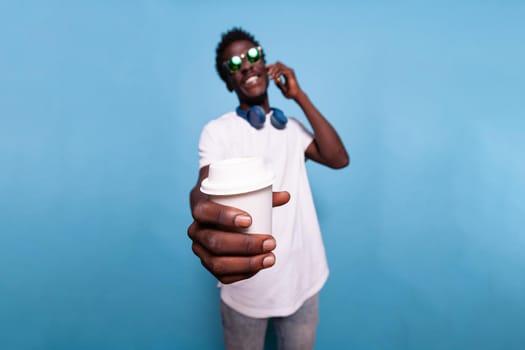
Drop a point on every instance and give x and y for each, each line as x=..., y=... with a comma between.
x=280, y=198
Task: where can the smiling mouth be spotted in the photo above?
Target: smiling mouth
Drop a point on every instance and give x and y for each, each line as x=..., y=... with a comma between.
x=251, y=80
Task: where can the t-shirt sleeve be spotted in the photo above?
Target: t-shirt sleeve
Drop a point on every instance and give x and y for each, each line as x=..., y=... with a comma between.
x=208, y=147
x=305, y=136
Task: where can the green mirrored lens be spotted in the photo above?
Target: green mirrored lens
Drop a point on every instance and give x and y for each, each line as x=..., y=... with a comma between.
x=236, y=60
x=253, y=54
x=234, y=64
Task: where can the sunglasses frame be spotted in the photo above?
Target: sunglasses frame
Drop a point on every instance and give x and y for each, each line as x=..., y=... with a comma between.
x=233, y=68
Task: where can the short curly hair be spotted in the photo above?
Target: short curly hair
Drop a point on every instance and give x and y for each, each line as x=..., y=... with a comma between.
x=234, y=34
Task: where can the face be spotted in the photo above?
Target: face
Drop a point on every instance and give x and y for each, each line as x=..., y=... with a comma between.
x=250, y=81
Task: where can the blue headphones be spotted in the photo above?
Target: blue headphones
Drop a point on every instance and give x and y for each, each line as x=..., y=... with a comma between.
x=256, y=116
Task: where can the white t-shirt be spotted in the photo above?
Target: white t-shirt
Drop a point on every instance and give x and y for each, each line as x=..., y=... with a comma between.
x=300, y=268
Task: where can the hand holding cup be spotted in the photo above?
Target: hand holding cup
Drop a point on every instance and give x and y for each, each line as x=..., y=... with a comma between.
x=219, y=231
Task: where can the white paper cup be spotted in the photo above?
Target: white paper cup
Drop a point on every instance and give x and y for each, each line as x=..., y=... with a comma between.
x=244, y=183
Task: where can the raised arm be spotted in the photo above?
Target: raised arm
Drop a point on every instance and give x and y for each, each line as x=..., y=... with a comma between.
x=327, y=147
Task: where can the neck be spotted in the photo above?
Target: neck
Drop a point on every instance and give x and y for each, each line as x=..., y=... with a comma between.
x=245, y=105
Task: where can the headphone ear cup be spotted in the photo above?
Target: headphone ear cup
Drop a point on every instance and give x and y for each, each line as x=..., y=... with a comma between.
x=278, y=120
x=256, y=116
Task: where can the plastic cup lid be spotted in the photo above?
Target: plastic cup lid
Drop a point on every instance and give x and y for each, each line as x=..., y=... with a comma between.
x=237, y=175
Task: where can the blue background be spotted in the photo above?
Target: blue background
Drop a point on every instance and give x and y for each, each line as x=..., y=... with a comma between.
x=101, y=107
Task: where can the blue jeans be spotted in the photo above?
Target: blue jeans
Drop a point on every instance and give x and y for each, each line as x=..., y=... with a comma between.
x=294, y=332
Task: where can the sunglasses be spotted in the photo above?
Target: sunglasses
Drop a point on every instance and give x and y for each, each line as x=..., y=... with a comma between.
x=235, y=62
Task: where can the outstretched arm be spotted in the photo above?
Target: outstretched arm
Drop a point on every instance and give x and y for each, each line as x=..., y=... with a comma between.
x=327, y=147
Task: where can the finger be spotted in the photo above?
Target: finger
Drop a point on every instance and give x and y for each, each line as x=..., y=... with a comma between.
x=280, y=79
x=233, y=265
x=208, y=212
x=274, y=68
x=280, y=198
x=280, y=84
x=274, y=73
x=270, y=68
x=286, y=71
x=231, y=243
x=286, y=75
x=234, y=278
x=281, y=65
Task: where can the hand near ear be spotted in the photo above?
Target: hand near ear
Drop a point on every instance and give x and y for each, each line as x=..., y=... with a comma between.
x=284, y=78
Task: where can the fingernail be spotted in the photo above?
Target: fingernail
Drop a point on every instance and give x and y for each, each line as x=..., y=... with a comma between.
x=269, y=245
x=268, y=261
x=242, y=220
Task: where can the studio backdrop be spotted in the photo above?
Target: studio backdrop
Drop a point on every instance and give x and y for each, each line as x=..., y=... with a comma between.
x=101, y=108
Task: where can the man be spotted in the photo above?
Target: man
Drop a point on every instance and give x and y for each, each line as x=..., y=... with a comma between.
x=273, y=275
